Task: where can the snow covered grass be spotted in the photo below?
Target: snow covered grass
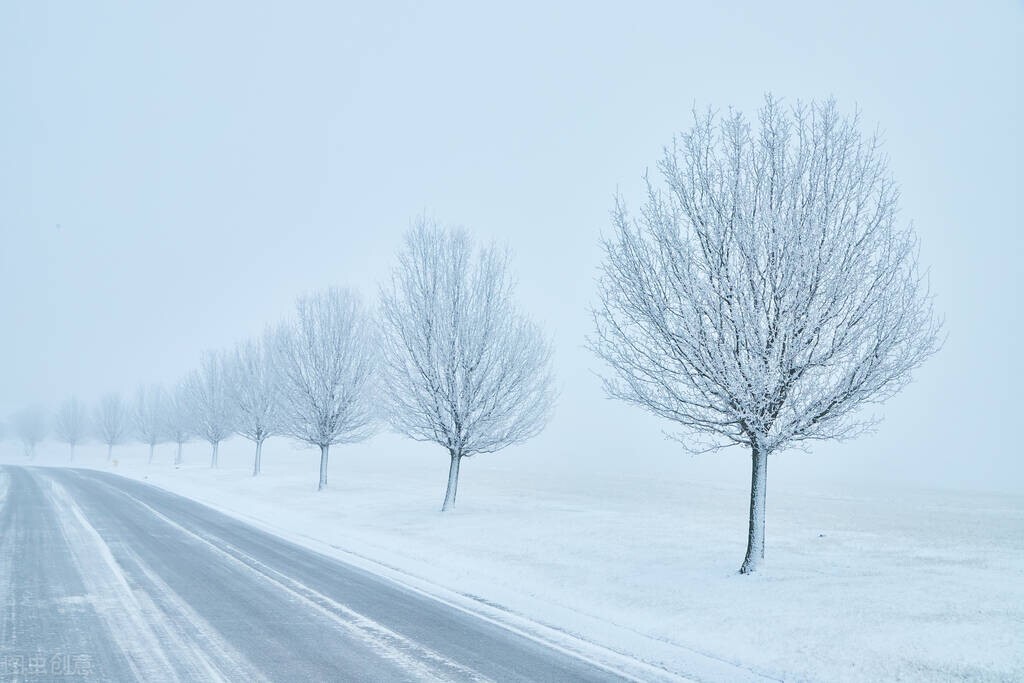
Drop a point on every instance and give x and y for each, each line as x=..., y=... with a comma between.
x=894, y=586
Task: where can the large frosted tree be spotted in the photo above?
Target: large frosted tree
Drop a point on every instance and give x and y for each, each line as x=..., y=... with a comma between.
x=464, y=368
x=111, y=422
x=766, y=292
x=147, y=416
x=254, y=387
x=71, y=424
x=209, y=403
x=326, y=358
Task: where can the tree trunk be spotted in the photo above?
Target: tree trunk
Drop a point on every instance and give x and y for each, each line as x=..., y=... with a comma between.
x=323, y=468
x=213, y=454
x=177, y=455
x=110, y=451
x=256, y=461
x=453, y=483
x=151, y=447
x=755, y=536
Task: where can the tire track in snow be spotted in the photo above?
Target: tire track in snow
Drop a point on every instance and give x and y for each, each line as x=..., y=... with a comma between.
x=219, y=661
x=143, y=632
x=417, y=660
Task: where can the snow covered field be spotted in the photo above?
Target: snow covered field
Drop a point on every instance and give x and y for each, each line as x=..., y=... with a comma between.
x=893, y=586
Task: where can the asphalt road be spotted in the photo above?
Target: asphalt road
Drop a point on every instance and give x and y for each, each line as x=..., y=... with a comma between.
x=105, y=578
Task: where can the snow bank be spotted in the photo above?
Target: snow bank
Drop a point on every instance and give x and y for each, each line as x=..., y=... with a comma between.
x=905, y=585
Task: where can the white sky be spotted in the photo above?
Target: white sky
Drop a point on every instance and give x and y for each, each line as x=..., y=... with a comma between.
x=172, y=177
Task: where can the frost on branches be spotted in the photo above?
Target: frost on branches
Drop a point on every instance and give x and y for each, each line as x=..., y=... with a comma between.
x=253, y=386
x=765, y=292
x=326, y=359
x=209, y=403
x=148, y=416
x=111, y=422
x=179, y=422
x=464, y=368
x=71, y=424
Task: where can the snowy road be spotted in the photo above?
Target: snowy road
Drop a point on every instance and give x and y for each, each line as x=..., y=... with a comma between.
x=109, y=579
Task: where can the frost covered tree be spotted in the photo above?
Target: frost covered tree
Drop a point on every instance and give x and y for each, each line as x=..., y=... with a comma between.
x=326, y=359
x=147, y=416
x=71, y=424
x=178, y=419
x=209, y=403
x=254, y=389
x=111, y=422
x=30, y=427
x=464, y=369
x=766, y=291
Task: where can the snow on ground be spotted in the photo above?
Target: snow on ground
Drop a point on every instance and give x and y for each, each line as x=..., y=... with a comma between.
x=893, y=586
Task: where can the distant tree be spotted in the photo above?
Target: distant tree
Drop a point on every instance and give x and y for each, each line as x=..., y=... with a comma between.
x=179, y=423
x=71, y=424
x=766, y=293
x=254, y=388
x=30, y=427
x=148, y=416
x=326, y=359
x=463, y=367
x=111, y=422
x=209, y=403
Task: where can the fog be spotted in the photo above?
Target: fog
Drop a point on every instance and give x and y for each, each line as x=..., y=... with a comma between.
x=172, y=178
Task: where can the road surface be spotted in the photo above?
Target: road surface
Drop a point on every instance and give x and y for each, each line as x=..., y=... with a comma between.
x=105, y=578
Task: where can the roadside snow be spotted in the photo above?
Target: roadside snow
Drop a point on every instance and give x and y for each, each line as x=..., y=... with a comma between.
x=908, y=586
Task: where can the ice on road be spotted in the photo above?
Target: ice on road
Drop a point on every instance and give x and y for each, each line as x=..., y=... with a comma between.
x=124, y=581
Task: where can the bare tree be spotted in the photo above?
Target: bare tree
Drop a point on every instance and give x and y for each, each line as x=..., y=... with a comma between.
x=209, y=403
x=464, y=368
x=766, y=293
x=253, y=386
x=111, y=422
x=148, y=416
x=178, y=419
x=326, y=360
x=30, y=427
x=71, y=424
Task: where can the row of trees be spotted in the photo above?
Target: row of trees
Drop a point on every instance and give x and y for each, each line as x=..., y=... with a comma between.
x=764, y=295
x=449, y=359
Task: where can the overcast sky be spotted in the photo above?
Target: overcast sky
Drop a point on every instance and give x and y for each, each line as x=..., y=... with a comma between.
x=173, y=175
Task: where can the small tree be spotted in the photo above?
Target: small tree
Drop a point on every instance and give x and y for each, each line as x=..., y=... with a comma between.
x=111, y=422
x=326, y=360
x=30, y=427
x=464, y=368
x=178, y=420
x=71, y=424
x=766, y=293
x=148, y=416
x=209, y=403
x=253, y=386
